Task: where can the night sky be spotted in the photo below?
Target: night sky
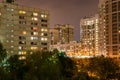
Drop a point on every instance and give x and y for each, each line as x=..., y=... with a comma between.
x=65, y=11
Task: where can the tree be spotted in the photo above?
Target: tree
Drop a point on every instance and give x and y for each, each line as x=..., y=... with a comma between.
x=103, y=68
x=68, y=66
x=43, y=66
x=3, y=54
x=17, y=68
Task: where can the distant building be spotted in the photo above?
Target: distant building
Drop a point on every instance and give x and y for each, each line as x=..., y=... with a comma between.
x=71, y=49
x=54, y=36
x=109, y=17
x=23, y=28
x=89, y=36
x=66, y=33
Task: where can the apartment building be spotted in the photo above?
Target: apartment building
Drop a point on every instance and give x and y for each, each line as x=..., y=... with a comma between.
x=109, y=14
x=89, y=36
x=23, y=28
x=54, y=36
x=71, y=49
x=66, y=33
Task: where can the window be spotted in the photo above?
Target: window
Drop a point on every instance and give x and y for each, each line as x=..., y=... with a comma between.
x=34, y=33
x=22, y=22
x=44, y=34
x=22, y=42
x=43, y=20
x=43, y=43
x=34, y=48
x=21, y=17
x=43, y=15
x=44, y=25
x=22, y=12
x=22, y=37
x=34, y=38
x=44, y=30
x=34, y=18
x=35, y=14
x=33, y=43
x=44, y=39
x=24, y=32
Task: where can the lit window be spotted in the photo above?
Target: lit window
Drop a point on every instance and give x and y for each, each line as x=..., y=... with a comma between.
x=34, y=38
x=12, y=9
x=22, y=12
x=20, y=47
x=34, y=48
x=22, y=52
x=19, y=52
x=22, y=57
x=34, y=28
x=34, y=18
x=44, y=30
x=43, y=15
x=42, y=34
x=43, y=39
x=24, y=32
x=34, y=33
x=35, y=14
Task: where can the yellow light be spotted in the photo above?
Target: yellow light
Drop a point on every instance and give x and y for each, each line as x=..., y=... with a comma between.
x=34, y=48
x=24, y=32
x=35, y=28
x=43, y=15
x=42, y=34
x=35, y=14
x=22, y=12
x=34, y=18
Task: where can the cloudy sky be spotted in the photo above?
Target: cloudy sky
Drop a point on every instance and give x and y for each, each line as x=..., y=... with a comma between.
x=65, y=11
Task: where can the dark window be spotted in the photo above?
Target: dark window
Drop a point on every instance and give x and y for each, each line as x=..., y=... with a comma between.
x=21, y=17
x=22, y=37
x=42, y=20
x=33, y=43
x=22, y=42
x=43, y=43
x=44, y=25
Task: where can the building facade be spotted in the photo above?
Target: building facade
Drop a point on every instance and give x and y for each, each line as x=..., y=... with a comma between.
x=54, y=36
x=66, y=33
x=109, y=14
x=23, y=28
x=71, y=49
x=89, y=36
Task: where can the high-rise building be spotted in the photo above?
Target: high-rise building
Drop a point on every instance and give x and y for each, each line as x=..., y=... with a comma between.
x=23, y=28
x=54, y=36
x=109, y=18
x=66, y=33
x=89, y=36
